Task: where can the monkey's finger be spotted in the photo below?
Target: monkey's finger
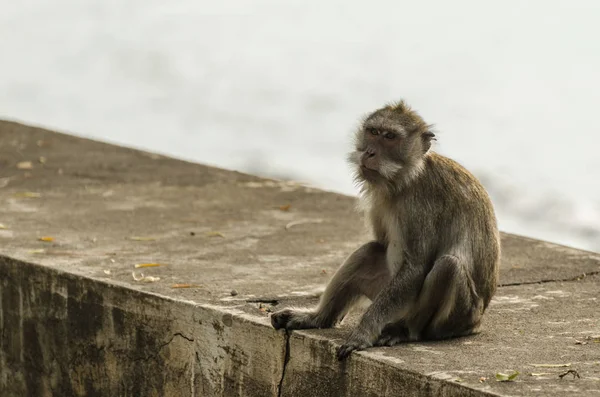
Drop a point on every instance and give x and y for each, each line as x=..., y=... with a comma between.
x=344, y=351
x=280, y=319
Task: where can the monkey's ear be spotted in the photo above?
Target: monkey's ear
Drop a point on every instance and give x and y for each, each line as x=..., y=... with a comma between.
x=427, y=136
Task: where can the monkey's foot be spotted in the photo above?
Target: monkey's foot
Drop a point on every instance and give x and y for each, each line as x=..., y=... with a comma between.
x=392, y=334
x=352, y=344
x=293, y=319
x=390, y=340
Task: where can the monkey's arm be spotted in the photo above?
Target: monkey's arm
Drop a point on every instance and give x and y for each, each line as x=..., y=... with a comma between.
x=393, y=303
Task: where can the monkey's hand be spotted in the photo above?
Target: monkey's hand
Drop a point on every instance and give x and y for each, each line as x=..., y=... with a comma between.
x=293, y=319
x=357, y=341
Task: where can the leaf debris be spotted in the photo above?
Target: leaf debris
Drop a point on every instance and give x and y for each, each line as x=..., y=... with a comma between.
x=142, y=265
x=593, y=338
x=215, y=234
x=572, y=372
x=506, y=377
x=25, y=165
x=285, y=207
x=145, y=279
x=142, y=238
x=3, y=226
x=46, y=239
x=186, y=286
x=551, y=365
x=28, y=195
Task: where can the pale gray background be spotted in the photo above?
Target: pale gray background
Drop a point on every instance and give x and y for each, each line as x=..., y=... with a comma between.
x=276, y=87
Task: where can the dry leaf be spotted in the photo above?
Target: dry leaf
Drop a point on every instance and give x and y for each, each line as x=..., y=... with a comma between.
x=141, y=265
x=551, y=365
x=145, y=279
x=25, y=165
x=506, y=377
x=46, y=239
x=28, y=195
x=42, y=160
x=186, y=286
x=138, y=238
x=540, y=373
x=39, y=251
x=482, y=379
x=107, y=272
x=215, y=234
x=285, y=207
x=3, y=226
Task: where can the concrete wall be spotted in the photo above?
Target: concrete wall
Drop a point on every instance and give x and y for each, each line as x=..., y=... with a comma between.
x=75, y=322
x=64, y=335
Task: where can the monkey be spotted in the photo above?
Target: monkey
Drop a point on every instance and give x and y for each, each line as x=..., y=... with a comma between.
x=432, y=266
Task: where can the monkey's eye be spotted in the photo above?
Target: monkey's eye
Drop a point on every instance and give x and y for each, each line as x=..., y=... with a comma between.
x=390, y=135
x=372, y=131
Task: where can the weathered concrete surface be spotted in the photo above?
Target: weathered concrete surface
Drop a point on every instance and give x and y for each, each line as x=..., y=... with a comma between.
x=75, y=322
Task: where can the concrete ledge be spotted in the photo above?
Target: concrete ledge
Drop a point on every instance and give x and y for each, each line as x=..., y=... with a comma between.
x=75, y=322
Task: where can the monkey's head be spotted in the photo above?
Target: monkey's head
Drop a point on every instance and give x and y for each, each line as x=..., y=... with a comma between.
x=390, y=145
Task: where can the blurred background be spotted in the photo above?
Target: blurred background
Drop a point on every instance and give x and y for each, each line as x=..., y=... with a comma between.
x=276, y=88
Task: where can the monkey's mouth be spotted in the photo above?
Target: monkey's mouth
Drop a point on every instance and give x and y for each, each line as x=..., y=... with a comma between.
x=368, y=173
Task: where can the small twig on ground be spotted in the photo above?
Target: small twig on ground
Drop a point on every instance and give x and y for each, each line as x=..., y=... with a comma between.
x=572, y=372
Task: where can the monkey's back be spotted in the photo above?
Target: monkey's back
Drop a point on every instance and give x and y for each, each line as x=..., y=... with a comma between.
x=457, y=212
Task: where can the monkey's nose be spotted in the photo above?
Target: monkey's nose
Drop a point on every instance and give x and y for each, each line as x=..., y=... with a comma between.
x=369, y=153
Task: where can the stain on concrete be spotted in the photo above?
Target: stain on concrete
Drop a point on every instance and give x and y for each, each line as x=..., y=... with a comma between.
x=227, y=319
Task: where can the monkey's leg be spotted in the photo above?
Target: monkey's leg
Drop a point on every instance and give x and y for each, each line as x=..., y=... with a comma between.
x=395, y=301
x=448, y=304
x=362, y=274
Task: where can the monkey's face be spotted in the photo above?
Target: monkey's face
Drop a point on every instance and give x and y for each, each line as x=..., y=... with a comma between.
x=386, y=144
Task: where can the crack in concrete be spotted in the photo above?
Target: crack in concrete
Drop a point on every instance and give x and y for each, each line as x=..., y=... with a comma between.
x=286, y=360
x=558, y=280
x=153, y=356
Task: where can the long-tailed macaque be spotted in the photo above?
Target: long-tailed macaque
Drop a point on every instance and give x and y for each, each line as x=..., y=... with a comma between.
x=432, y=266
